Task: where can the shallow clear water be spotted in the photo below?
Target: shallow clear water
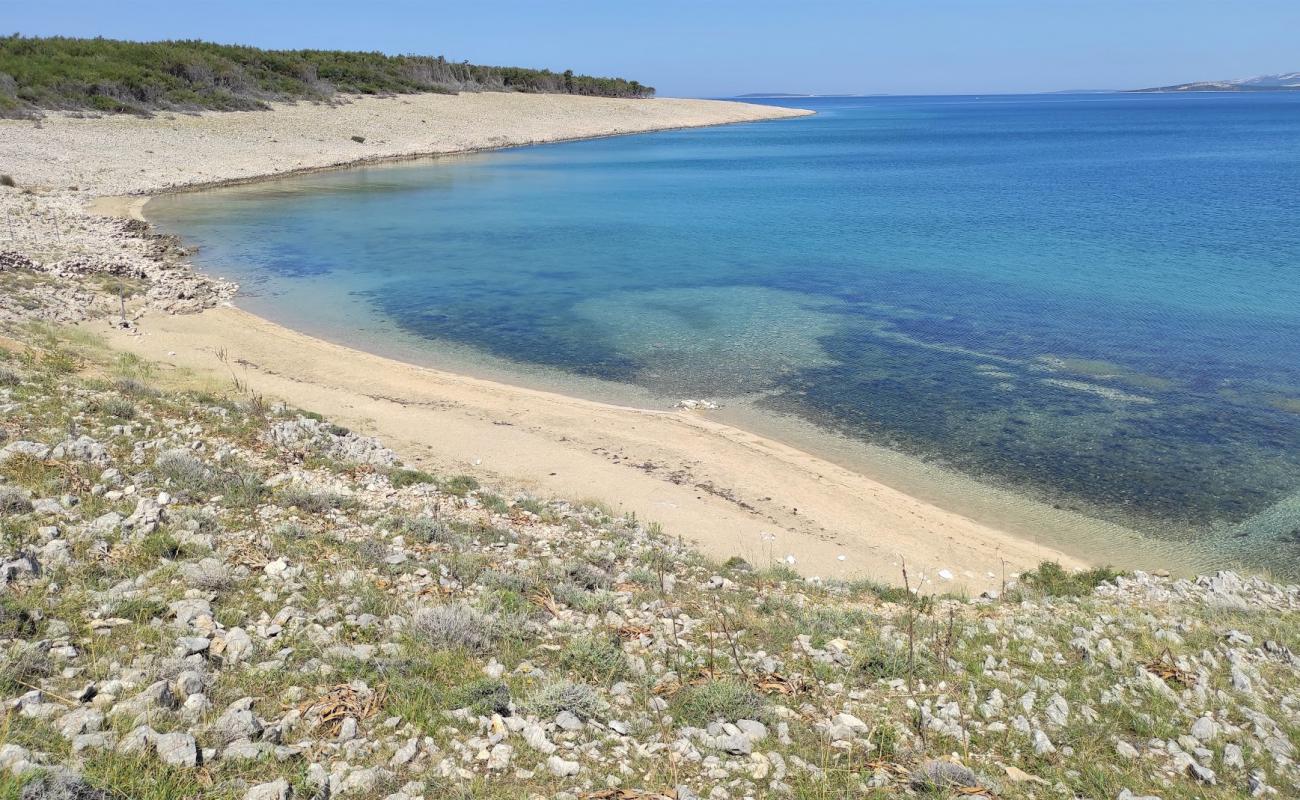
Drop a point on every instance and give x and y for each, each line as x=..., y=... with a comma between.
x=1092, y=300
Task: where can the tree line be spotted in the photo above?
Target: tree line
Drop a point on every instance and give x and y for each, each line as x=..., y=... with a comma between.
x=108, y=75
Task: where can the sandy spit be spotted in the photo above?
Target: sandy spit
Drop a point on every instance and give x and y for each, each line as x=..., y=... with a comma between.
x=729, y=491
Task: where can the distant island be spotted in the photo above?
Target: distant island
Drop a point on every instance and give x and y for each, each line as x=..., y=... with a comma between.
x=1284, y=82
x=120, y=77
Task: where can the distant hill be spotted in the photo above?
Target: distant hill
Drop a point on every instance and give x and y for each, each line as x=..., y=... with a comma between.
x=1287, y=81
x=772, y=94
x=114, y=76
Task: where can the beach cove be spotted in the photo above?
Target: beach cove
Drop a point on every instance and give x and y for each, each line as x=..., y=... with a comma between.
x=732, y=491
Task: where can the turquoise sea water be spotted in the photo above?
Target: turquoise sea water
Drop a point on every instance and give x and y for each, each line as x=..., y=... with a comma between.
x=1093, y=300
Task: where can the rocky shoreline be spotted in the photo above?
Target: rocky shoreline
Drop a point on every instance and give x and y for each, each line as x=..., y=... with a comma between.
x=206, y=596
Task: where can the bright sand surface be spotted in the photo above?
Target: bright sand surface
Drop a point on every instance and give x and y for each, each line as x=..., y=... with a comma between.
x=730, y=491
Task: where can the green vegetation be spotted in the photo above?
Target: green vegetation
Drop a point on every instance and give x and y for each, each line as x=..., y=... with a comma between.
x=118, y=77
x=726, y=700
x=1053, y=580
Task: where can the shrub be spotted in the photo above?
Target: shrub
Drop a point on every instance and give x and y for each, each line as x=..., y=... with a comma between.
x=240, y=488
x=509, y=581
x=578, y=699
x=184, y=472
x=595, y=658
x=459, y=485
x=402, y=478
x=1052, y=579
x=61, y=784
x=23, y=666
x=140, y=609
x=588, y=602
x=485, y=697
x=9, y=378
x=161, y=544
x=878, y=659
x=314, y=502
x=117, y=407
x=7, y=180
x=14, y=501
x=717, y=700
x=455, y=627
x=425, y=530
x=16, y=620
x=586, y=576
x=134, y=388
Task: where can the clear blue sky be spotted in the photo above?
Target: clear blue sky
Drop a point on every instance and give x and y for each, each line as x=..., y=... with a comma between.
x=725, y=47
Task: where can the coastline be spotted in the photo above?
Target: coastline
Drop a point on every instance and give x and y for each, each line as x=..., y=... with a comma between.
x=729, y=491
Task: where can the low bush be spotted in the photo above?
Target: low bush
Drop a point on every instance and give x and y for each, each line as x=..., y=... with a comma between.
x=484, y=697
x=1054, y=580
x=311, y=502
x=717, y=700
x=595, y=658
x=455, y=626
x=578, y=699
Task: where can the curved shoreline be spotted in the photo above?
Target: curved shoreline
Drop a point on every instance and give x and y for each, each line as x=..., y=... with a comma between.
x=730, y=490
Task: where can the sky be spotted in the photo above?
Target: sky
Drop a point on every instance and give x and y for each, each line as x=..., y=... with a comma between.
x=722, y=48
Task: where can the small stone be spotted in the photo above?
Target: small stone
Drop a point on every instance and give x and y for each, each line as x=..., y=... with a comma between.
x=499, y=757
x=275, y=790
x=568, y=721
x=942, y=775
x=176, y=749
x=561, y=768
x=737, y=745
x=1205, y=729
x=1043, y=745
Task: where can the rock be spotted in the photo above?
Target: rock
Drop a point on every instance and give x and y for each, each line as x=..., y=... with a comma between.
x=23, y=566
x=1205, y=729
x=91, y=742
x=61, y=784
x=192, y=645
x=79, y=721
x=137, y=741
x=83, y=448
x=1125, y=750
x=361, y=782
x=754, y=730
x=535, y=737
x=736, y=745
x=237, y=722
x=15, y=759
x=237, y=646
x=845, y=726
x=499, y=757
x=275, y=790
x=561, y=768
x=24, y=448
x=1233, y=757
x=936, y=775
x=1042, y=745
x=176, y=749
x=568, y=721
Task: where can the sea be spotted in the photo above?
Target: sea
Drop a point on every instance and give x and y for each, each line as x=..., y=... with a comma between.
x=1087, y=305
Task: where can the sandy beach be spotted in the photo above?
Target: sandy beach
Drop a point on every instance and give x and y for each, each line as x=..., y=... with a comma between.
x=729, y=491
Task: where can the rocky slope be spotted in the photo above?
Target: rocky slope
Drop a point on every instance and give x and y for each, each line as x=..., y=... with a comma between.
x=207, y=596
